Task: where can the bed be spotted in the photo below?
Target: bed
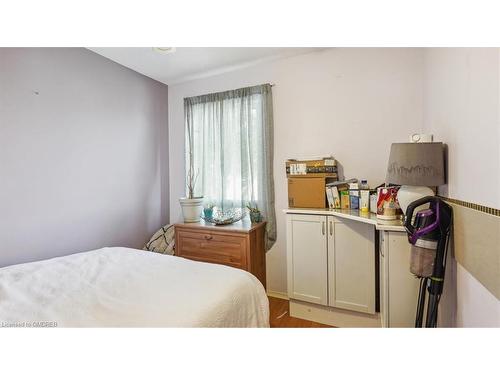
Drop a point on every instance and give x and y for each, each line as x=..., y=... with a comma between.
x=122, y=287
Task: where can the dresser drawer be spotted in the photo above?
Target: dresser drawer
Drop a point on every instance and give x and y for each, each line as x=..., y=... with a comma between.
x=209, y=246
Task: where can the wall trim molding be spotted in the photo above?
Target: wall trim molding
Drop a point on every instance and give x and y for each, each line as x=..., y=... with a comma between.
x=473, y=206
x=476, y=244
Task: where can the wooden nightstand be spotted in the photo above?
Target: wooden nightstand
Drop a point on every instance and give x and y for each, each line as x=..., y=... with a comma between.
x=239, y=245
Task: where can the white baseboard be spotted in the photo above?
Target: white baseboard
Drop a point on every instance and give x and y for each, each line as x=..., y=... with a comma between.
x=279, y=295
x=333, y=316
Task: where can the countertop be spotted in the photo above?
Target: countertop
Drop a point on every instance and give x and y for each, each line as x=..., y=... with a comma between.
x=356, y=215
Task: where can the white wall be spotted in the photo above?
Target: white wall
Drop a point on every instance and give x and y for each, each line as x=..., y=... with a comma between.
x=461, y=105
x=476, y=306
x=349, y=102
x=83, y=154
x=462, y=109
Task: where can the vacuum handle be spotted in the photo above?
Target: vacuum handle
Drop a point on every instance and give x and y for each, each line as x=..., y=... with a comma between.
x=415, y=233
x=409, y=214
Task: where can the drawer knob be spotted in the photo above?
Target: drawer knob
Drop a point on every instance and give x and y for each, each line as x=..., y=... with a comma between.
x=208, y=237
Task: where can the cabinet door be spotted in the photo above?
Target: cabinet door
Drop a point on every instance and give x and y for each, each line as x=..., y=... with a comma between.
x=351, y=265
x=402, y=286
x=307, y=258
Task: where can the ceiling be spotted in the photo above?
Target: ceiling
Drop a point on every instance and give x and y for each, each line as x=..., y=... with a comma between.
x=189, y=63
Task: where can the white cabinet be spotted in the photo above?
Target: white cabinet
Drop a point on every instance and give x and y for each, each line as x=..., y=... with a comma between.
x=351, y=265
x=399, y=287
x=331, y=262
x=307, y=258
x=332, y=278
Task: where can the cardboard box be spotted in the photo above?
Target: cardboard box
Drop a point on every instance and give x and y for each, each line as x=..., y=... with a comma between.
x=344, y=199
x=307, y=182
x=336, y=196
x=306, y=192
x=330, y=197
x=326, y=167
x=354, y=196
x=354, y=199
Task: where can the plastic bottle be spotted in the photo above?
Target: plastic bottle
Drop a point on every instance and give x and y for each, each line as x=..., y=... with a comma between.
x=364, y=196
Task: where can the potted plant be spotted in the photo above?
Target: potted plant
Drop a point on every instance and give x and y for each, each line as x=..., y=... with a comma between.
x=255, y=215
x=191, y=206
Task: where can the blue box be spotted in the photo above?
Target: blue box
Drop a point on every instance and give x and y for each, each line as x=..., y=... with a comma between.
x=354, y=202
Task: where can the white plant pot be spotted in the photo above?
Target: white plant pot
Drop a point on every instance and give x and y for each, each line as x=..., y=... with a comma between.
x=191, y=209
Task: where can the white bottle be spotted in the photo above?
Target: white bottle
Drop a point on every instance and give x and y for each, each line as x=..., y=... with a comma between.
x=364, y=196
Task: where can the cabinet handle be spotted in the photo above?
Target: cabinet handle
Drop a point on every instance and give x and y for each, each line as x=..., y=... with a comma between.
x=323, y=228
x=331, y=228
x=208, y=237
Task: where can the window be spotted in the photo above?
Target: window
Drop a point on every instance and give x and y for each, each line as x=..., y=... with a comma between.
x=229, y=141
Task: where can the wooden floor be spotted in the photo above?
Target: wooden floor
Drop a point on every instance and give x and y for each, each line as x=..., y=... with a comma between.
x=280, y=317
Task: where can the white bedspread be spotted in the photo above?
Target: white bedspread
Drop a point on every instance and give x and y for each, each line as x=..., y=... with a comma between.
x=120, y=287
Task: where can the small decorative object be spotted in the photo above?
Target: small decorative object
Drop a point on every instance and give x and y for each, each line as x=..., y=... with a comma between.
x=208, y=210
x=224, y=217
x=387, y=203
x=255, y=215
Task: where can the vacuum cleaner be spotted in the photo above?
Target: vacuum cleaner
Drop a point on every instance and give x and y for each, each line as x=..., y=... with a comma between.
x=428, y=232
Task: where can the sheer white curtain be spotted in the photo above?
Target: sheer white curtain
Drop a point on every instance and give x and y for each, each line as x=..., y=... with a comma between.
x=230, y=136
